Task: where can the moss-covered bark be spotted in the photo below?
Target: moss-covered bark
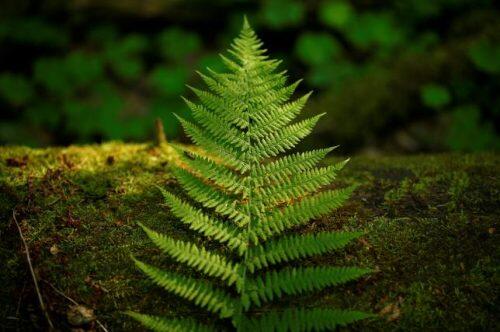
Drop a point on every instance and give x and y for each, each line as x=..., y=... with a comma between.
x=430, y=223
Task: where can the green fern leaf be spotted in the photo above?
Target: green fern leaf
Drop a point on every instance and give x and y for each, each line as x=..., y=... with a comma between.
x=274, y=144
x=228, y=109
x=160, y=324
x=298, y=185
x=188, y=253
x=249, y=198
x=300, y=213
x=274, y=118
x=303, y=320
x=292, y=281
x=209, y=196
x=203, y=224
x=225, y=151
x=216, y=126
x=212, y=171
x=294, y=247
x=281, y=169
x=201, y=292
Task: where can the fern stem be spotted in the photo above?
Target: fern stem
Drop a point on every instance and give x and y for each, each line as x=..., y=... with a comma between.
x=248, y=186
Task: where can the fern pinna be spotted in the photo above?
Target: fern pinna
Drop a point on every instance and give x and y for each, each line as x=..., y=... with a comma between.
x=252, y=201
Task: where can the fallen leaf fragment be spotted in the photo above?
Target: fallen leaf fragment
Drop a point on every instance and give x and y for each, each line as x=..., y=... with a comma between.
x=54, y=250
x=391, y=312
x=78, y=315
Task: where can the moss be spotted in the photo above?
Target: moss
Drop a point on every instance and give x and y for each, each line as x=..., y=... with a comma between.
x=430, y=224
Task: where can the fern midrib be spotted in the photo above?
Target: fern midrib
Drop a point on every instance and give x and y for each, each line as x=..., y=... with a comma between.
x=249, y=188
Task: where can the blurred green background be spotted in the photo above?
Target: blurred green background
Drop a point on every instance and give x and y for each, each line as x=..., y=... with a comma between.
x=395, y=76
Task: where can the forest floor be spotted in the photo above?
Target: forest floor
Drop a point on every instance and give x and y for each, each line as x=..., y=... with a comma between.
x=431, y=225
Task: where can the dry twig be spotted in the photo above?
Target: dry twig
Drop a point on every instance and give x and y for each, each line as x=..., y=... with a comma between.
x=39, y=294
x=72, y=301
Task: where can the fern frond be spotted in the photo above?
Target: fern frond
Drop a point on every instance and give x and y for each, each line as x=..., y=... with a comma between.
x=269, y=99
x=218, y=127
x=230, y=64
x=293, y=281
x=253, y=69
x=196, y=257
x=303, y=320
x=210, y=197
x=267, y=92
x=297, y=186
x=212, y=171
x=294, y=247
x=282, y=168
x=299, y=213
x=272, y=119
x=274, y=144
x=263, y=70
x=201, y=292
x=230, y=109
x=262, y=81
x=200, y=222
x=220, y=84
x=160, y=324
x=248, y=202
x=247, y=47
x=228, y=153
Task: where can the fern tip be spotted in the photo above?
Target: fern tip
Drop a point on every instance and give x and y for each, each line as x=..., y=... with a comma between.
x=333, y=148
x=129, y=313
x=246, y=24
x=192, y=88
x=181, y=119
x=159, y=188
x=341, y=164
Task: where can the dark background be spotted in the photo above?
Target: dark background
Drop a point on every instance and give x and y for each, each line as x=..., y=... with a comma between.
x=396, y=76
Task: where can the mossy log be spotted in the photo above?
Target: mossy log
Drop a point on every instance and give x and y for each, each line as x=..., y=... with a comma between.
x=430, y=224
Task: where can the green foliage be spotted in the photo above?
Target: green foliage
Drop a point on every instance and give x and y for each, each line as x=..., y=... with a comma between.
x=331, y=74
x=32, y=30
x=123, y=56
x=168, y=80
x=16, y=89
x=306, y=319
x=316, y=48
x=83, y=92
x=335, y=13
x=282, y=13
x=249, y=199
x=435, y=96
x=468, y=133
x=372, y=60
x=375, y=29
x=486, y=56
x=51, y=75
x=161, y=324
x=176, y=44
x=62, y=77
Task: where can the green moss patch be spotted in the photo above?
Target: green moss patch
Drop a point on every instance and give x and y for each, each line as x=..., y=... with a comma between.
x=430, y=224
